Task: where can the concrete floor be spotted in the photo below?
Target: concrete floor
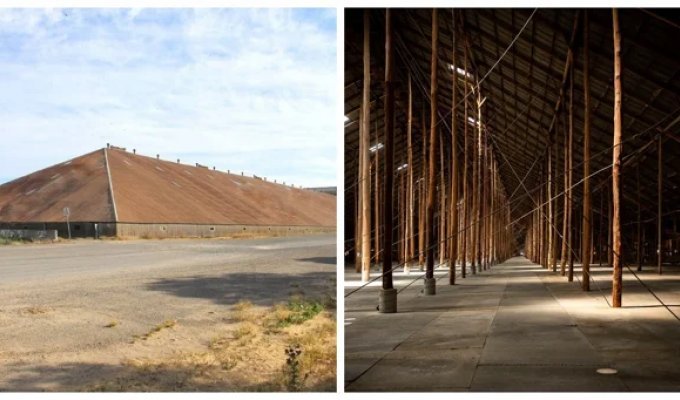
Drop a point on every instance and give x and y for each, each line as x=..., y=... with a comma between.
x=515, y=327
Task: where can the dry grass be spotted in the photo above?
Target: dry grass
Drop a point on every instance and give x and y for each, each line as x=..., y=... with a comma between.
x=245, y=311
x=36, y=310
x=170, y=323
x=249, y=357
x=249, y=235
x=7, y=241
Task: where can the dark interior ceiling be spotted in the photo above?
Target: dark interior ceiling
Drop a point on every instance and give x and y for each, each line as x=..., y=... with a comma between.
x=522, y=88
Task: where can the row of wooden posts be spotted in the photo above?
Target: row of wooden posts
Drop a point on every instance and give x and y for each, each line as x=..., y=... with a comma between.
x=544, y=231
x=474, y=223
x=462, y=218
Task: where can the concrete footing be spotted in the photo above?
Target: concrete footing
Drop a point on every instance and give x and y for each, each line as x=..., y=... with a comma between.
x=387, y=301
x=430, y=287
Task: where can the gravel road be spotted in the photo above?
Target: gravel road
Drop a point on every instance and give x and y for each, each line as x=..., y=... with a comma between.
x=56, y=300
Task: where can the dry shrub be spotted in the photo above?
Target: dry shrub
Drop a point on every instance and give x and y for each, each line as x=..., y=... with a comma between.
x=250, y=357
x=244, y=311
x=246, y=332
x=317, y=338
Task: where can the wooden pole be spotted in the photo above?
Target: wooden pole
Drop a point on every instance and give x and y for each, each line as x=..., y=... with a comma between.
x=478, y=205
x=365, y=157
x=639, y=222
x=555, y=231
x=475, y=195
x=423, y=195
x=659, y=224
x=610, y=248
x=409, y=144
x=400, y=211
x=442, y=204
x=492, y=219
x=454, y=163
x=616, y=223
x=429, y=222
x=644, y=243
x=376, y=191
x=482, y=201
x=357, y=213
x=487, y=204
x=550, y=203
x=544, y=220
x=570, y=253
x=565, y=202
x=585, y=258
x=599, y=232
x=389, y=156
x=404, y=216
x=466, y=206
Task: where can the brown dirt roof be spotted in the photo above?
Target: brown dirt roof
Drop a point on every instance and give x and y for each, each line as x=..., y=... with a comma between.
x=147, y=190
x=81, y=184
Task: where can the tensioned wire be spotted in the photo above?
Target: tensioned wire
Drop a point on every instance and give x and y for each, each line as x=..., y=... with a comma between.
x=536, y=208
x=476, y=85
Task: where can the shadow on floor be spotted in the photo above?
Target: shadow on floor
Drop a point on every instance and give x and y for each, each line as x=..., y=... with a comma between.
x=69, y=377
x=263, y=289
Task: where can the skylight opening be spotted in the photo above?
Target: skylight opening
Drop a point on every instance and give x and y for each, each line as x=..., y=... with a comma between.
x=346, y=119
x=403, y=166
x=473, y=121
x=375, y=147
x=460, y=71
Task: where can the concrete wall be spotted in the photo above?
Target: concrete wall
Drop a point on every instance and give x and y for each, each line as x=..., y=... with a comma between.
x=78, y=229
x=149, y=231
x=159, y=231
x=29, y=234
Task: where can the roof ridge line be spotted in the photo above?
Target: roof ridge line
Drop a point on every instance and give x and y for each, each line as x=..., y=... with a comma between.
x=214, y=169
x=113, y=199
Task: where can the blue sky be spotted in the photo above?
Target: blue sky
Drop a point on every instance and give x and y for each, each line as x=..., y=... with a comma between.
x=240, y=89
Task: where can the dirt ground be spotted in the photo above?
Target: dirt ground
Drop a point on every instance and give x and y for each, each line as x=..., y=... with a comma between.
x=98, y=315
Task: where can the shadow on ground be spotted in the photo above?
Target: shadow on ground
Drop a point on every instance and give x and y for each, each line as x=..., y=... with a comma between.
x=319, y=260
x=263, y=289
x=78, y=377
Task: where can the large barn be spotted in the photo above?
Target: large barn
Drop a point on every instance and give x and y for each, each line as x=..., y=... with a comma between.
x=112, y=192
x=511, y=189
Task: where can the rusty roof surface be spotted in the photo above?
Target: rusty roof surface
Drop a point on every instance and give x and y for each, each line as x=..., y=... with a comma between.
x=151, y=190
x=148, y=190
x=81, y=184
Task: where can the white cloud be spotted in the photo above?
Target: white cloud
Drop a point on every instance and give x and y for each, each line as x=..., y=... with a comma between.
x=175, y=82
